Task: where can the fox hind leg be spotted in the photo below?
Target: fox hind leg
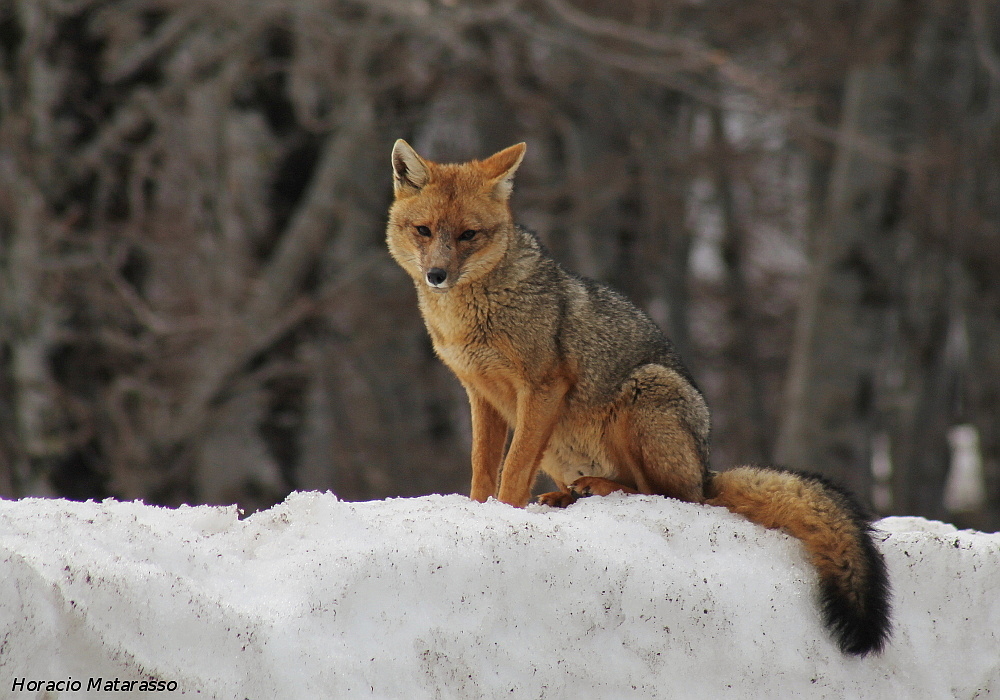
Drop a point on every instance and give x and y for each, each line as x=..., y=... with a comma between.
x=597, y=486
x=557, y=499
x=659, y=435
x=655, y=436
x=581, y=488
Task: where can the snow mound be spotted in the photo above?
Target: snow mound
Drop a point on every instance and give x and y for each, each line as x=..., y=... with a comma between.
x=440, y=597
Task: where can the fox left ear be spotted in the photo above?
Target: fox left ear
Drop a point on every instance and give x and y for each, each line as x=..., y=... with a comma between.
x=500, y=167
x=409, y=170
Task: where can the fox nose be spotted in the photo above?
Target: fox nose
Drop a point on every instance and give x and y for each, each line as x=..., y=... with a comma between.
x=436, y=276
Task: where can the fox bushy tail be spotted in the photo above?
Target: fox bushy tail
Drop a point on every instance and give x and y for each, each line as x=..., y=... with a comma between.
x=836, y=531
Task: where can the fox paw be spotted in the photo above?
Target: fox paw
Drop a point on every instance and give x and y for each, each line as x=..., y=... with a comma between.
x=557, y=499
x=596, y=486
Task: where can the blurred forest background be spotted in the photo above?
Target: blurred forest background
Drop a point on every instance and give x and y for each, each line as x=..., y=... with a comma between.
x=196, y=303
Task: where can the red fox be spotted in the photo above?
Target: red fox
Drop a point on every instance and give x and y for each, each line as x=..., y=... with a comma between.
x=592, y=389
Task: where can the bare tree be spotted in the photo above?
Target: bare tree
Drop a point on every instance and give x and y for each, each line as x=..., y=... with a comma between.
x=197, y=305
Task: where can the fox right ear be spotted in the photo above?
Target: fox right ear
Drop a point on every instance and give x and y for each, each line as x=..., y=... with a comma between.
x=409, y=170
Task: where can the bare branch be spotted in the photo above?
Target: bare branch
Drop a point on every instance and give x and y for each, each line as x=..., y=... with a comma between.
x=986, y=52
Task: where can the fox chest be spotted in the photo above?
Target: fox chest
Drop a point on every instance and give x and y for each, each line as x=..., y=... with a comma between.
x=484, y=367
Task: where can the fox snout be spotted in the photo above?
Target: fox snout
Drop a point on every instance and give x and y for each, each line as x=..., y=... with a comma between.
x=436, y=277
x=440, y=264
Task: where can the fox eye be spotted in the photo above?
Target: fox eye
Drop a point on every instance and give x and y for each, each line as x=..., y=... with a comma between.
x=424, y=231
x=468, y=235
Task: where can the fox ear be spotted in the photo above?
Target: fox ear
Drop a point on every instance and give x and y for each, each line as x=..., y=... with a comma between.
x=500, y=167
x=409, y=171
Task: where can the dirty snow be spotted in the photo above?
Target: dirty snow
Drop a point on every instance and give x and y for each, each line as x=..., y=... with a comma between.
x=440, y=597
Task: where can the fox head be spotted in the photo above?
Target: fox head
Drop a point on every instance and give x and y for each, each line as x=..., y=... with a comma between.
x=450, y=224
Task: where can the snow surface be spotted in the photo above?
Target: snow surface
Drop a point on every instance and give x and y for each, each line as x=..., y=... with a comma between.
x=440, y=597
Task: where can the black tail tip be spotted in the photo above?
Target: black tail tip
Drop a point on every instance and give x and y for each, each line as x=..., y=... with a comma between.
x=861, y=622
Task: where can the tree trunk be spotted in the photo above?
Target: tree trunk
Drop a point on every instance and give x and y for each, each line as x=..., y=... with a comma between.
x=828, y=417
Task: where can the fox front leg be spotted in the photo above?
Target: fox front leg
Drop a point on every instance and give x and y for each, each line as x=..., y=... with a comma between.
x=489, y=434
x=537, y=413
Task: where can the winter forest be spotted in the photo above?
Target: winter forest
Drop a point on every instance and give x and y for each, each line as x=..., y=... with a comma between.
x=197, y=305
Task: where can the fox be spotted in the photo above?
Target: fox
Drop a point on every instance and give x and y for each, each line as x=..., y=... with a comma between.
x=566, y=376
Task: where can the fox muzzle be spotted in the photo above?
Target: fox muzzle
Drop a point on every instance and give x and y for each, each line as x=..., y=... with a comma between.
x=436, y=277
